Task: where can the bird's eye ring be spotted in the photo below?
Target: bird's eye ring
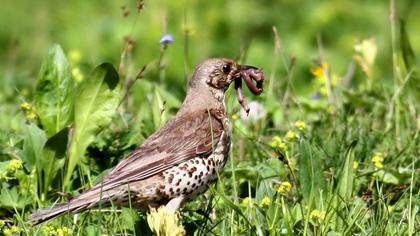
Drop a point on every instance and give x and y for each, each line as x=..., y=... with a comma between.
x=226, y=68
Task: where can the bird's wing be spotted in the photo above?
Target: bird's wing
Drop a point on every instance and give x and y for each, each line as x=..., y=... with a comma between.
x=181, y=139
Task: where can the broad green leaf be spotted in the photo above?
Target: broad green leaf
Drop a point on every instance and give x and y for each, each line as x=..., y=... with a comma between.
x=345, y=183
x=344, y=189
x=3, y=166
x=54, y=157
x=33, y=145
x=312, y=180
x=94, y=107
x=54, y=92
x=10, y=198
x=34, y=142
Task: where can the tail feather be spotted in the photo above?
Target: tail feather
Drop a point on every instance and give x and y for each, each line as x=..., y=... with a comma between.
x=43, y=215
x=84, y=201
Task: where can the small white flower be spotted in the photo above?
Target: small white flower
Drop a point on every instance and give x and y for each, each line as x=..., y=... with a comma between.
x=256, y=112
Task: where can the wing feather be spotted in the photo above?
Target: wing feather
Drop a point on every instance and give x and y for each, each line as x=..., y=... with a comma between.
x=183, y=138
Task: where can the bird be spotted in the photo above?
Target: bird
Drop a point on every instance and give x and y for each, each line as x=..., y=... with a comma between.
x=178, y=162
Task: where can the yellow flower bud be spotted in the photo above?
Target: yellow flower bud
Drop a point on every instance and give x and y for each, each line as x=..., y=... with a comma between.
x=377, y=160
x=25, y=106
x=317, y=215
x=265, y=202
x=284, y=188
x=292, y=136
x=246, y=202
x=300, y=125
x=355, y=165
x=75, y=56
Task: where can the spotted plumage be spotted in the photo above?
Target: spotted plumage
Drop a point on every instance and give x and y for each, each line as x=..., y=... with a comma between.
x=176, y=163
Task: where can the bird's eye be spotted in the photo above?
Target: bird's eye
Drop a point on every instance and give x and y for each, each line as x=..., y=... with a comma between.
x=226, y=68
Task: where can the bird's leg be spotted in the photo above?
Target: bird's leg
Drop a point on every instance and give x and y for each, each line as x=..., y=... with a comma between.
x=174, y=204
x=240, y=95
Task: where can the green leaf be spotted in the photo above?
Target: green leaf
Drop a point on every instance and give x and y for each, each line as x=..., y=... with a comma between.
x=33, y=156
x=54, y=92
x=10, y=198
x=407, y=50
x=94, y=107
x=3, y=166
x=312, y=180
x=409, y=59
x=342, y=196
x=235, y=208
x=158, y=109
x=33, y=145
x=54, y=157
x=345, y=184
x=129, y=217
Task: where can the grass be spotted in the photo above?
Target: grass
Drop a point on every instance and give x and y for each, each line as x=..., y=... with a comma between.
x=335, y=151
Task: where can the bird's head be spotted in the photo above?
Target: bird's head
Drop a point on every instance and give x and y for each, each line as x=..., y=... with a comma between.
x=217, y=74
x=213, y=77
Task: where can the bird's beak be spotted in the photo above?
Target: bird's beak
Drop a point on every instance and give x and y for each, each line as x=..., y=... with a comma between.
x=246, y=67
x=242, y=68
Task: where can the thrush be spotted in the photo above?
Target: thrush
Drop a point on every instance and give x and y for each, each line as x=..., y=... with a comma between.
x=179, y=161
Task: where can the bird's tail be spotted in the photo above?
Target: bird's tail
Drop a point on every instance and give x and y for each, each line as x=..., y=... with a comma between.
x=87, y=200
x=43, y=215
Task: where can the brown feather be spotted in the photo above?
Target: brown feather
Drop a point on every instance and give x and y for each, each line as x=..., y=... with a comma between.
x=191, y=136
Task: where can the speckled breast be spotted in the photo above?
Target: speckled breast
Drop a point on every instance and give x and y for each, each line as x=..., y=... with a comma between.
x=193, y=177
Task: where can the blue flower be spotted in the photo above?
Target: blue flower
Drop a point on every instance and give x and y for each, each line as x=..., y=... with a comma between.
x=166, y=40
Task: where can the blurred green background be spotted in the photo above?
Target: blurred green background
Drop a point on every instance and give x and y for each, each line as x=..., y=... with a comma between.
x=378, y=109
x=96, y=31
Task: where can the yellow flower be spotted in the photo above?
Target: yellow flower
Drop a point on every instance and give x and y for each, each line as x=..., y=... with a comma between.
x=320, y=71
x=165, y=223
x=335, y=80
x=246, y=202
x=317, y=215
x=64, y=231
x=284, y=188
x=7, y=232
x=235, y=117
x=275, y=141
x=25, y=106
x=265, y=202
x=49, y=230
x=355, y=165
x=378, y=160
x=300, y=125
x=13, y=166
x=278, y=143
x=2, y=223
x=75, y=56
x=77, y=74
x=14, y=230
x=31, y=116
x=292, y=136
x=323, y=91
